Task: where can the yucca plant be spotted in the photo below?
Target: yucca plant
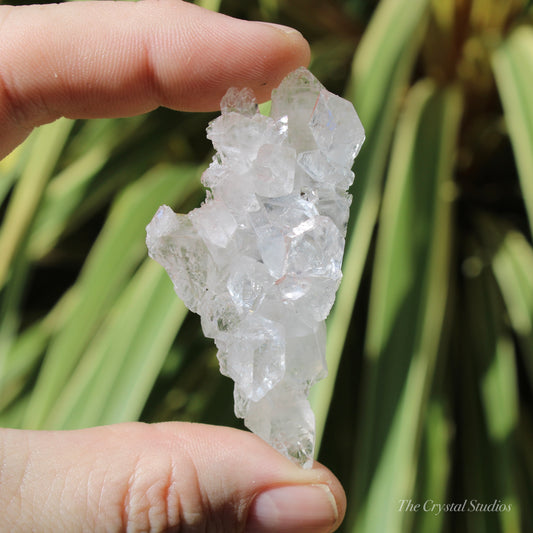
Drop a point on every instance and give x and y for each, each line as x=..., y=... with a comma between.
x=444, y=385
x=430, y=342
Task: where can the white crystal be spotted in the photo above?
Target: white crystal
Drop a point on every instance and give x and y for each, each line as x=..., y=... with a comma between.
x=305, y=358
x=248, y=283
x=214, y=223
x=254, y=356
x=176, y=246
x=239, y=101
x=260, y=260
x=320, y=168
x=284, y=419
x=273, y=173
x=336, y=128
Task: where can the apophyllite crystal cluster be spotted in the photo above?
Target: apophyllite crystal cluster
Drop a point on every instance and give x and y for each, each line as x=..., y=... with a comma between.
x=260, y=260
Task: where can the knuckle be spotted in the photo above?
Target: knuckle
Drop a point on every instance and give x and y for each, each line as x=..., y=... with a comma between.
x=26, y=107
x=163, y=495
x=146, y=501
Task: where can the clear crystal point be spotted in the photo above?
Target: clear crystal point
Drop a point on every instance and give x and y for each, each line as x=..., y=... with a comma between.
x=260, y=260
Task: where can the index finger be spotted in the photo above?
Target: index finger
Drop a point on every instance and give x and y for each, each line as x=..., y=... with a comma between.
x=110, y=59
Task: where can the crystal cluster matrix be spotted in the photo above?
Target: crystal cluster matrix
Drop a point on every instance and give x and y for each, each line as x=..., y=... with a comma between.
x=260, y=260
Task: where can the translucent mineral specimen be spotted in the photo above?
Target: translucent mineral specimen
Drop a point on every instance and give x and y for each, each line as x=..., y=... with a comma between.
x=260, y=260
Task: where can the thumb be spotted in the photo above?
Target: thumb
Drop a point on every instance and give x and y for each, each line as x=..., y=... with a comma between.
x=173, y=476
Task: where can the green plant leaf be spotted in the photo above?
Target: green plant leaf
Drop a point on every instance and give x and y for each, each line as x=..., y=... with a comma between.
x=67, y=194
x=11, y=166
x=380, y=72
x=113, y=258
x=511, y=258
x=407, y=307
x=213, y=5
x=116, y=373
x=38, y=159
x=28, y=347
x=487, y=391
x=435, y=467
x=513, y=69
x=46, y=148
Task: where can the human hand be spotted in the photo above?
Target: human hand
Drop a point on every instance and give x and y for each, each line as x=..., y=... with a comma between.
x=100, y=59
x=111, y=59
x=163, y=477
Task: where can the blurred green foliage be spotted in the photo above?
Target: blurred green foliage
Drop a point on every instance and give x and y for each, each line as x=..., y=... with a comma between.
x=430, y=342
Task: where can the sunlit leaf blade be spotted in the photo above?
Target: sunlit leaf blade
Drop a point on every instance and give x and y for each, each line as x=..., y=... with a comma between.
x=20, y=359
x=524, y=470
x=513, y=69
x=150, y=347
x=12, y=416
x=387, y=37
x=67, y=192
x=46, y=148
x=407, y=307
x=124, y=358
x=39, y=157
x=213, y=5
x=511, y=258
x=487, y=389
x=112, y=260
x=434, y=466
x=380, y=72
x=11, y=166
x=499, y=391
x=28, y=347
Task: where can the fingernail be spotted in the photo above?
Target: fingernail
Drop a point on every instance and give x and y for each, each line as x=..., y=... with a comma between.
x=285, y=29
x=292, y=509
